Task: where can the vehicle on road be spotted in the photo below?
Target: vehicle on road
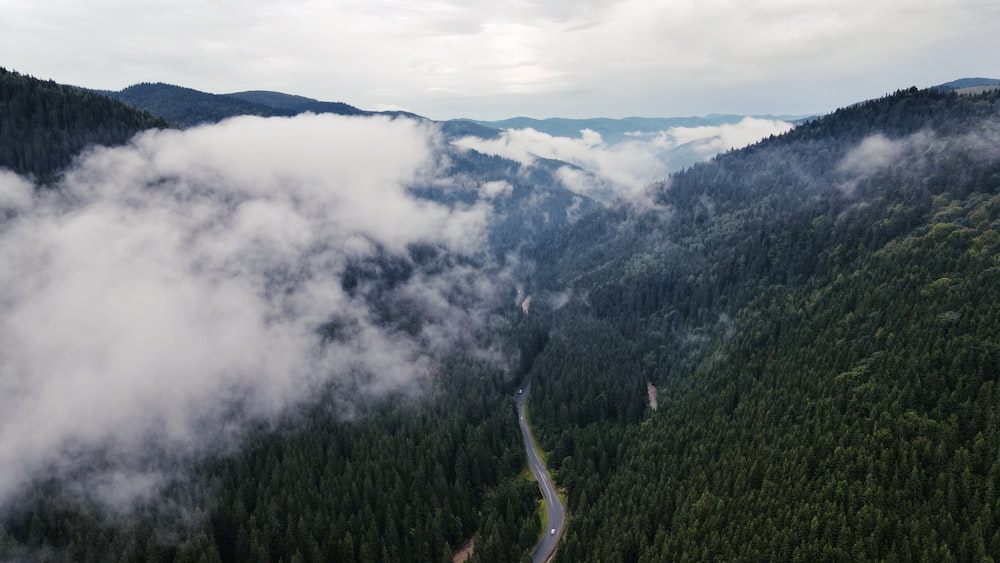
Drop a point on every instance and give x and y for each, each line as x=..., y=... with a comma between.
x=520, y=391
x=552, y=532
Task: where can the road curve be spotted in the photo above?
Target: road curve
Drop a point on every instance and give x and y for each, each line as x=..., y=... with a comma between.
x=556, y=511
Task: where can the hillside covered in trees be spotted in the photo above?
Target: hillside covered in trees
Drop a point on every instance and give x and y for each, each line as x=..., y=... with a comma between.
x=43, y=125
x=818, y=314
x=187, y=107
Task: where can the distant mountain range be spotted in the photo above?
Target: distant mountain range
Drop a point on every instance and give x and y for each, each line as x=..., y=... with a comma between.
x=186, y=107
x=164, y=105
x=179, y=106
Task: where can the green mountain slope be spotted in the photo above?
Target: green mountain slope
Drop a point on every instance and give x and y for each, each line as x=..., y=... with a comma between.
x=818, y=314
x=187, y=107
x=294, y=103
x=970, y=86
x=43, y=125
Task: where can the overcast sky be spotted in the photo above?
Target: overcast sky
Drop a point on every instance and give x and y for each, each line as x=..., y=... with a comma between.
x=490, y=60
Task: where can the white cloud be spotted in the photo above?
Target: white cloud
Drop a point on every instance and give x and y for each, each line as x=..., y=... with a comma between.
x=619, y=168
x=872, y=154
x=496, y=190
x=710, y=140
x=606, y=171
x=191, y=270
x=916, y=155
x=15, y=192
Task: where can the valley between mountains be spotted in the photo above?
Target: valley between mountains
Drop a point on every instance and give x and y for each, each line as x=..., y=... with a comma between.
x=263, y=327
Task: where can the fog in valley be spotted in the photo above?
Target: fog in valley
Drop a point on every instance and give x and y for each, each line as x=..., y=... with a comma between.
x=608, y=170
x=169, y=293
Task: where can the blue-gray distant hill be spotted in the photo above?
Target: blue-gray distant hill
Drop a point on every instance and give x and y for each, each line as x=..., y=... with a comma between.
x=187, y=107
x=970, y=85
x=293, y=103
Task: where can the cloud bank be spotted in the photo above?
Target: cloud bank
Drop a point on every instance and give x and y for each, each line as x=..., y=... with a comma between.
x=172, y=290
x=606, y=171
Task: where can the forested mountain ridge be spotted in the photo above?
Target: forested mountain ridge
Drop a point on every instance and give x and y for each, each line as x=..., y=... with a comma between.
x=817, y=311
x=43, y=125
x=187, y=107
x=295, y=103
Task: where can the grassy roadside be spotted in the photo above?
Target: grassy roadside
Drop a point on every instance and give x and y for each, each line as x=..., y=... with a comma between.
x=543, y=508
x=543, y=512
x=542, y=454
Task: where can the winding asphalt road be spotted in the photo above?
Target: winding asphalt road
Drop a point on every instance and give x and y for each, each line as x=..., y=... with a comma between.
x=557, y=512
